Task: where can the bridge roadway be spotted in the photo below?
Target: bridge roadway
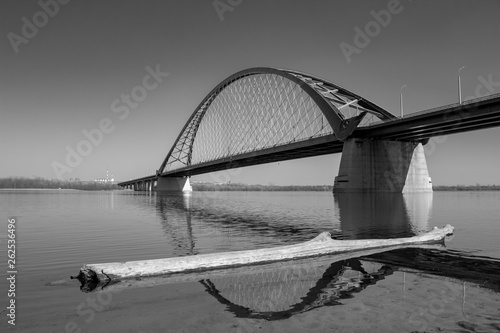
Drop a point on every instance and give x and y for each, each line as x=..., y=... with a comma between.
x=480, y=113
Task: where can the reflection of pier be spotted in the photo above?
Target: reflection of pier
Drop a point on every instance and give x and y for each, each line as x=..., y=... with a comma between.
x=383, y=215
x=282, y=293
x=216, y=226
x=194, y=224
x=175, y=214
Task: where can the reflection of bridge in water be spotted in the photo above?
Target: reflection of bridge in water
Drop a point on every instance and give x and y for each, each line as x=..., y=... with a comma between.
x=281, y=290
x=175, y=214
x=193, y=224
x=383, y=215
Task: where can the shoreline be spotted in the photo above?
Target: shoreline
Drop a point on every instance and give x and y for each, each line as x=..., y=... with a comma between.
x=261, y=188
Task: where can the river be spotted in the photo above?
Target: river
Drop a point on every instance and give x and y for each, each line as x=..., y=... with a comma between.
x=453, y=289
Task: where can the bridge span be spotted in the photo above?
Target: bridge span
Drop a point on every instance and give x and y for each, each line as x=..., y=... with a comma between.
x=263, y=115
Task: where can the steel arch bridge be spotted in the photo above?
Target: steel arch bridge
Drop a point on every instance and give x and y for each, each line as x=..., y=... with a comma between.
x=261, y=115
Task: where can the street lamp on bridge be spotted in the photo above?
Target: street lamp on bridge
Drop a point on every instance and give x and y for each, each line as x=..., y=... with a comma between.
x=401, y=100
x=460, y=86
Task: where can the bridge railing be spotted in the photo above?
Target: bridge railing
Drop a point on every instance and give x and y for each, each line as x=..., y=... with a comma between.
x=467, y=103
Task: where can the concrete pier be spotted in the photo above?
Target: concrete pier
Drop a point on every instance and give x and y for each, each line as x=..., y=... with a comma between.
x=382, y=166
x=173, y=184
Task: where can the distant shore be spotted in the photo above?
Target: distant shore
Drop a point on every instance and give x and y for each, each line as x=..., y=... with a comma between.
x=466, y=188
x=17, y=183
x=320, y=188
x=23, y=183
x=257, y=187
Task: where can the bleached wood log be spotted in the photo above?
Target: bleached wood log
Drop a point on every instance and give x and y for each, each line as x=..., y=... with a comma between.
x=323, y=244
x=261, y=268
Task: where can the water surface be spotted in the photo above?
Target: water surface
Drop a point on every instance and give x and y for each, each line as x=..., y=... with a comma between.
x=453, y=288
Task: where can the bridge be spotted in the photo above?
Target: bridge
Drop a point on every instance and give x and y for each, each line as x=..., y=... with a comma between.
x=262, y=115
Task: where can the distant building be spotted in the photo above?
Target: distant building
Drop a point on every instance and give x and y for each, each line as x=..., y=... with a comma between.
x=108, y=180
x=104, y=180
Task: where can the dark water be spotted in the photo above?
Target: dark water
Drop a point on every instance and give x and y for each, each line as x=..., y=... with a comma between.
x=59, y=231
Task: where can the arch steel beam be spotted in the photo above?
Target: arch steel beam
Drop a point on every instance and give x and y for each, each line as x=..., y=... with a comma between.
x=328, y=97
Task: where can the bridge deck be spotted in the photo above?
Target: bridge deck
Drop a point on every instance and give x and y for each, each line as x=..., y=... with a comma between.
x=472, y=115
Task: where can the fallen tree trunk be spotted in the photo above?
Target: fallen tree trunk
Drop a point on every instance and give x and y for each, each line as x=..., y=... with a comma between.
x=323, y=244
x=224, y=273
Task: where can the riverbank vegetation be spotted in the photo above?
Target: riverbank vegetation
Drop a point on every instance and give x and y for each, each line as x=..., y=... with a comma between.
x=476, y=187
x=246, y=187
x=38, y=182
x=76, y=184
x=327, y=188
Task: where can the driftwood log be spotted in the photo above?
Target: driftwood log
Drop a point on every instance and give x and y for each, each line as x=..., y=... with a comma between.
x=323, y=244
x=238, y=271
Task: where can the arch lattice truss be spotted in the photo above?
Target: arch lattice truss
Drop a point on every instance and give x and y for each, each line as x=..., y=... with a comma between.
x=261, y=108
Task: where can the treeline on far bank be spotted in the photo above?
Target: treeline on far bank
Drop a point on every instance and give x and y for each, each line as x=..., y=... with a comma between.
x=246, y=187
x=476, y=187
x=38, y=182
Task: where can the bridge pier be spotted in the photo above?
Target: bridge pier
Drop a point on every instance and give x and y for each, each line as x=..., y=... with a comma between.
x=173, y=184
x=382, y=166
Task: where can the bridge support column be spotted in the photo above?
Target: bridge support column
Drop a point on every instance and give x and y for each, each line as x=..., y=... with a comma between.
x=382, y=166
x=173, y=184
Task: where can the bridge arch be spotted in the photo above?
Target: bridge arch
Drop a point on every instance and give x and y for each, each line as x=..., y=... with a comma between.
x=260, y=108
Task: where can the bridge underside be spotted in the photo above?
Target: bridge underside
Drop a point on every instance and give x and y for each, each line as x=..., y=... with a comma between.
x=314, y=147
x=367, y=166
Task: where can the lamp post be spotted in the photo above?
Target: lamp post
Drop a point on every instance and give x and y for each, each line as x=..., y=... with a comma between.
x=460, y=86
x=401, y=100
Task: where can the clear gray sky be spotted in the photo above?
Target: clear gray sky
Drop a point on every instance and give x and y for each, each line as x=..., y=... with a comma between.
x=64, y=69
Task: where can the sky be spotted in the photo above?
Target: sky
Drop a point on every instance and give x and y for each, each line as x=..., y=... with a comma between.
x=66, y=65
